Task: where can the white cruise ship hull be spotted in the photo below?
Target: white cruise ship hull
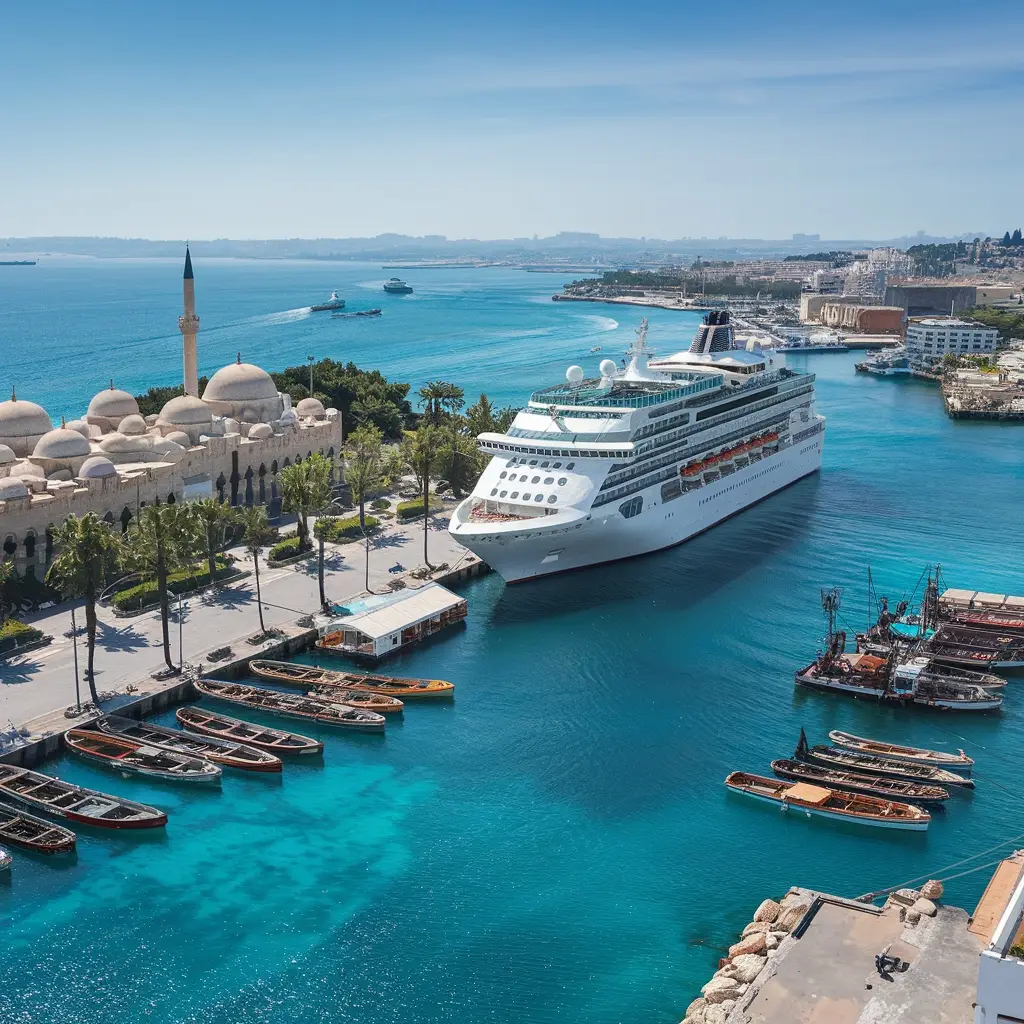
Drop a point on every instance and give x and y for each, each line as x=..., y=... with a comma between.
x=583, y=538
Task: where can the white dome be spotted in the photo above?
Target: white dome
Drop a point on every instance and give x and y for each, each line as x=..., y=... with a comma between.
x=240, y=382
x=230, y=425
x=118, y=443
x=187, y=411
x=80, y=426
x=179, y=437
x=113, y=404
x=311, y=407
x=133, y=424
x=23, y=419
x=7, y=455
x=61, y=444
x=96, y=467
x=30, y=469
x=12, y=487
x=170, y=451
x=260, y=431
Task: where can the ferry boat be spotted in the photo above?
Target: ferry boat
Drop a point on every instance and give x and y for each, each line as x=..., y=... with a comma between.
x=641, y=458
x=822, y=341
x=892, y=363
x=396, y=287
x=333, y=303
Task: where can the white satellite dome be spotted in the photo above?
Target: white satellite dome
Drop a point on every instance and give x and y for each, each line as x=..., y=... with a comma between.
x=608, y=367
x=574, y=374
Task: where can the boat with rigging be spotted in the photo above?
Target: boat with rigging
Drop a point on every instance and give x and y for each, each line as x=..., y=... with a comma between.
x=641, y=458
x=817, y=801
x=226, y=753
x=869, y=785
x=309, y=677
x=292, y=705
x=130, y=757
x=899, y=752
x=19, y=828
x=275, y=741
x=874, y=764
x=395, y=286
x=65, y=800
x=335, y=302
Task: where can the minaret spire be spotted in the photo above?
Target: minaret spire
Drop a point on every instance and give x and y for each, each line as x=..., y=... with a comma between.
x=188, y=324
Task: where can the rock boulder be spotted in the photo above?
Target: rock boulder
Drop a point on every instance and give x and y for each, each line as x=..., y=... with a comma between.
x=753, y=943
x=791, y=917
x=716, y=1014
x=746, y=967
x=756, y=926
x=718, y=989
x=698, y=1004
x=932, y=890
x=768, y=911
x=924, y=907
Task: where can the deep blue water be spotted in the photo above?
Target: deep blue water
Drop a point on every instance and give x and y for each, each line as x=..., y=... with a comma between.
x=555, y=845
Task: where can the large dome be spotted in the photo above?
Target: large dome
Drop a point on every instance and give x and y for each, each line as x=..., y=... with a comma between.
x=61, y=444
x=132, y=424
x=240, y=382
x=23, y=419
x=12, y=487
x=7, y=455
x=96, y=468
x=113, y=404
x=311, y=407
x=186, y=411
x=121, y=444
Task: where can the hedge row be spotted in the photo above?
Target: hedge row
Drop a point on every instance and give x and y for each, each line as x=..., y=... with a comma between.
x=412, y=509
x=16, y=634
x=287, y=548
x=346, y=529
x=177, y=583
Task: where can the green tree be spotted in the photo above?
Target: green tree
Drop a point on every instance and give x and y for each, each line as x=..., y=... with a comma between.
x=214, y=517
x=256, y=535
x=460, y=461
x=505, y=419
x=424, y=453
x=161, y=540
x=480, y=417
x=431, y=395
x=393, y=464
x=376, y=411
x=305, y=490
x=87, y=551
x=322, y=529
x=6, y=575
x=363, y=475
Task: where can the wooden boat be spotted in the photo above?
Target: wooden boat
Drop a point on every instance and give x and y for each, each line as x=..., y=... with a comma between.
x=820, y=802
x=284, y=744
x=5, y=860
x=130, y=757
x=379, y=702
x=869, y=785
x=292, y=705
x=896, y=752
x=220, y=751
x=872, y=764
x=19, y=828
x=75, y=803
x=310, y=677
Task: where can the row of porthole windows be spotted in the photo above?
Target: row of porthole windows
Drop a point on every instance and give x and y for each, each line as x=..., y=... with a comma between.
x=562, y=481
x=544, y=465
x=742, y=483
x=552, y=499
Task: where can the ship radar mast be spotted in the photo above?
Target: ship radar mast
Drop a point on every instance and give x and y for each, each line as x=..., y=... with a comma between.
x=639, y=354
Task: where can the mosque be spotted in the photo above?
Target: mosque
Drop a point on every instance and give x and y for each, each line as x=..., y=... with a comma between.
x=231, y=444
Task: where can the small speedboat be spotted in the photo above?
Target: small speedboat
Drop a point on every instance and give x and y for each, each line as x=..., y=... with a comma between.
x=19, y=828
x=131, y=757
x=817, y=801
x=335, y=302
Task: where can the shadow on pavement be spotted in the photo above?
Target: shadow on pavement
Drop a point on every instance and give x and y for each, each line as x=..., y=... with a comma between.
x=19, y=671
x=127, y=638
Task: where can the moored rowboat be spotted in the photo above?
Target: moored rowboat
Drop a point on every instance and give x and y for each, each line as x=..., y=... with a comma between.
x=379, y=702
x=284, y=744
x=826, y=803
x=310, y=677
x=19, y=828
x=869, y=785
x=75, y=803
x=223, y=752
x=134, y=758
x=291, y=705
x=898, y=752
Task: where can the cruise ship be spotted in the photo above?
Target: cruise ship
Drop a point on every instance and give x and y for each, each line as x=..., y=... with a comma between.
x=643, y=457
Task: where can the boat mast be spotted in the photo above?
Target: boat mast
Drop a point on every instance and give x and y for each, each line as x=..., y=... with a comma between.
x=830, y=601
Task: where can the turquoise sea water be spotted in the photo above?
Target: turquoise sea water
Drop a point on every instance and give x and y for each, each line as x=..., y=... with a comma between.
x=556, y=844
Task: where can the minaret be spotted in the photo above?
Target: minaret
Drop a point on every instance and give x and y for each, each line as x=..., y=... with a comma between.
x=188, y=324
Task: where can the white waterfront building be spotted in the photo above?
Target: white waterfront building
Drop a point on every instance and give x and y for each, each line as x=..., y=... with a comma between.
x=640, y=458
x=929, y=339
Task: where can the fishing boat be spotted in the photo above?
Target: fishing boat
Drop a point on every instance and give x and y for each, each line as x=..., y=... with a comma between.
x=283, y=744
x=334, y=302
x=931, y=669
x=873, y=764
x=817, y=801
x=292, y=705
x=897, y=752
x=869, y=785
x=978, y=649
x=19, y=828
x=5, y=860
x=75, y=803
x=223, y=752
x=394, y=286
x=310, y=677
x=131, y=757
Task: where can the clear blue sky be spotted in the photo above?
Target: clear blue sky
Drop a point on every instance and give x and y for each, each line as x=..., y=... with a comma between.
x=749, y=118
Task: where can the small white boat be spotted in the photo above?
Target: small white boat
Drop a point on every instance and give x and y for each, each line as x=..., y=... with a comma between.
x=333, y=303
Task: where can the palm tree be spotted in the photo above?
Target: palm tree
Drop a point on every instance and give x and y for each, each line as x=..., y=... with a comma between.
x=452, y=400
x=423, y=455
x=257, y=534
x=163, y=539
x=363, y=475
x=87, y=551
x=430, y=397
x=214, y=518
x=305, y=490
x=323, y=529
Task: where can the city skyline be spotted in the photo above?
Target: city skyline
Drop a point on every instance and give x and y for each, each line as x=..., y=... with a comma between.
x=673, y=122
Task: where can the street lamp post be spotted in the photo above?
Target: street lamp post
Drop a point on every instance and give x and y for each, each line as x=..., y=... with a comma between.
x=309, y=359
x=74, y=644
x=181, y=659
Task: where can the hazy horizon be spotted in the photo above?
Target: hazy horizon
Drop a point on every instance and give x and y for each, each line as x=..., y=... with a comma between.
x=666, y=121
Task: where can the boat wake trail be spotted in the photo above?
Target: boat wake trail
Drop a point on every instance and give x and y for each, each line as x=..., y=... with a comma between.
x=286, y=316
x=601, y=323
